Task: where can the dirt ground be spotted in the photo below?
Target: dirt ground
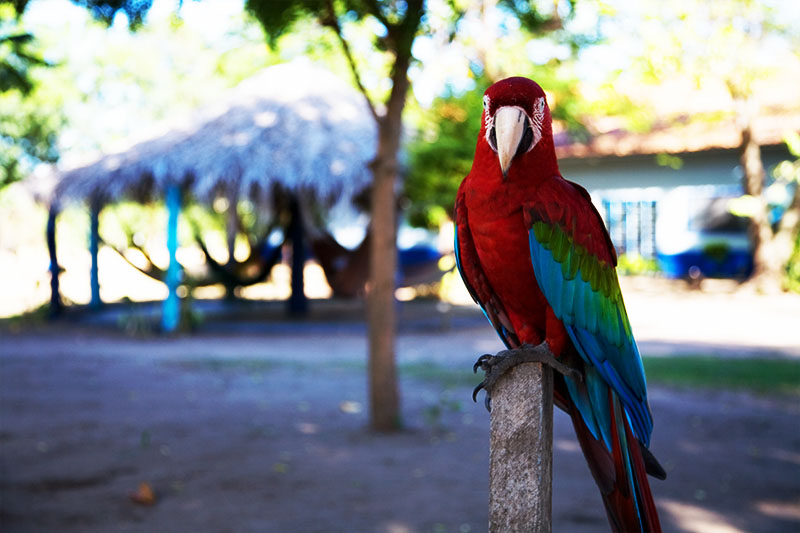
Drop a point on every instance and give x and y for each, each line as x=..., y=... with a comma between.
x=264, y=430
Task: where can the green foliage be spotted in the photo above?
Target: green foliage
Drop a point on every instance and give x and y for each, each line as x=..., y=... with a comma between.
x=440, y=156
x=688, y=45
x=166, y=70
x=668, y=160
x=532, y=17
x=17, y=56
x=717, y=251
x=793, y=267
x=693, y=40
x=17, y=5
x=279, y=16
x=636, y=265
x=374, y=36
x=793, y=143
x=28, y=119
x=142, y=223
x=28, y=132
x=16, y=62
x=787, y=173
x=103, y=10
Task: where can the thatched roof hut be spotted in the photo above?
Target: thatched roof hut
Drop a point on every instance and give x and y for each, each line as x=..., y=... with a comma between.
x=294, y=124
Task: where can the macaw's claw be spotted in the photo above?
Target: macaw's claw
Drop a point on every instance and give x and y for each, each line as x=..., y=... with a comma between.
x=476, y=390
x=481, y=361
x=487, y=400
x=496, y=365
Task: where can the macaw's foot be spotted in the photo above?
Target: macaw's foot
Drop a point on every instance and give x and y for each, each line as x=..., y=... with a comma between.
x=496, y=365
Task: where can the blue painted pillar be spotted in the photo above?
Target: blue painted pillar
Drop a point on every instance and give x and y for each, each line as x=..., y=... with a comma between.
x=170, y=315
x=94, y=247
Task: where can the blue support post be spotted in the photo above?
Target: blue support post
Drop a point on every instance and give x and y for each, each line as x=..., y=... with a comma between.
x=56, y=305
x=298, y=303
x=170, y=315
x=94, y=246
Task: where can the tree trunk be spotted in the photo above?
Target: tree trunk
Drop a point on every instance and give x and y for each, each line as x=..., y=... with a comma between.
x=384, y=396
x=231, y=229
x=381, y=319
x=766, y=272
x=383, y=393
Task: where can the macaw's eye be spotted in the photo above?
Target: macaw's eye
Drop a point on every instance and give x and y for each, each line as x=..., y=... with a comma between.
x=493, y=139
x=486, y=102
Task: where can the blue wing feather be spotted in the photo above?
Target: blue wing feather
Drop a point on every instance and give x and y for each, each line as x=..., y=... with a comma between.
x=596, y=322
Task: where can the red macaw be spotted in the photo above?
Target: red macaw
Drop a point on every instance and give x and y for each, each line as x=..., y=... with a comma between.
x=535, y=255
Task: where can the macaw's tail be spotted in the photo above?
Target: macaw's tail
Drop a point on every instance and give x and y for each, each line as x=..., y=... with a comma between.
x=621, y=474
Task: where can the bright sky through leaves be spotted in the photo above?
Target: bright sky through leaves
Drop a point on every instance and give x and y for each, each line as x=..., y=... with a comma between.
x=137, y=93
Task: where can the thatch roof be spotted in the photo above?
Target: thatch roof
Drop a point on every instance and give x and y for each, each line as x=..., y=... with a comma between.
x=294, y=124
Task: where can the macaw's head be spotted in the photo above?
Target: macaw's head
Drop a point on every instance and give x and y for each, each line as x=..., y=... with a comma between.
x=516, y=119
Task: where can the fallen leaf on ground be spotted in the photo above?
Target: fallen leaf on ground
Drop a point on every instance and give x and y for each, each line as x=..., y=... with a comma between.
x=144, y=495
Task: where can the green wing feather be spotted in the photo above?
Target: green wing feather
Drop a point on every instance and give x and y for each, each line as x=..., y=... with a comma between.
x=584, y=292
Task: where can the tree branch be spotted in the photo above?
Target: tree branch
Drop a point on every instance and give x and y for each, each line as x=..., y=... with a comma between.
x=374, y=9
x=151, y=270
x=403, y=57
x=329, y=19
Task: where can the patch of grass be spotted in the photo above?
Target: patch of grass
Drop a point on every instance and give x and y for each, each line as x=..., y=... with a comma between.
x=758, y=375
x=445, y=375
x=225, y=364
x=755, y=375
x=248, y=365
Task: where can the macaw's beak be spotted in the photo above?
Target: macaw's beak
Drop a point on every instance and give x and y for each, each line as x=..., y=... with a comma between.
x=510, y=124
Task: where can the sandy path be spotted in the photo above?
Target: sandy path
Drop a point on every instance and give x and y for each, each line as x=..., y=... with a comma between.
x=234, y=435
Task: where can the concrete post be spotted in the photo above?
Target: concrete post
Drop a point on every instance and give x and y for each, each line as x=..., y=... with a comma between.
x=521, y=450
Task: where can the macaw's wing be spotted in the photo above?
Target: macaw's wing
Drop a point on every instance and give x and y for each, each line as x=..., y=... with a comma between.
x=475, y=280
x=575, y=266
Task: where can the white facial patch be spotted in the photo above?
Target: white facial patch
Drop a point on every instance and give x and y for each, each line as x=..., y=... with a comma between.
x=538, y=118
x=533, y=124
